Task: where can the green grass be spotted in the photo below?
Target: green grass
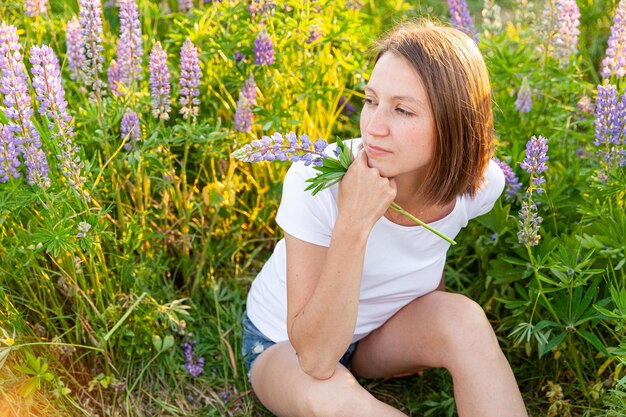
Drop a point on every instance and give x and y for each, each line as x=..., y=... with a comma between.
x=95, y=325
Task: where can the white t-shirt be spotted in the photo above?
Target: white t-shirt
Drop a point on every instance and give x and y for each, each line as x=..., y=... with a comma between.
x=401, y=262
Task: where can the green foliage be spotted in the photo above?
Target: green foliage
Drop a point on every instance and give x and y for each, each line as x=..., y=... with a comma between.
x=100, y=286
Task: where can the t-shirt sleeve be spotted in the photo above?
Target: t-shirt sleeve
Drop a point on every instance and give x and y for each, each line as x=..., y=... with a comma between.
x=490, y=191
x=304, y=215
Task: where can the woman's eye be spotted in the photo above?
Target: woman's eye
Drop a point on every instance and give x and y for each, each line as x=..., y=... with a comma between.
x=404, y=112
x=368, y=101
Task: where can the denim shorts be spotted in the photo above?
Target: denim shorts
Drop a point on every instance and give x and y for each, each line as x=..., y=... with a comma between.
x=254, y=343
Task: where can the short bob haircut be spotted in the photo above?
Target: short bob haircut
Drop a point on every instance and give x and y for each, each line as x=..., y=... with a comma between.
x=456, y=80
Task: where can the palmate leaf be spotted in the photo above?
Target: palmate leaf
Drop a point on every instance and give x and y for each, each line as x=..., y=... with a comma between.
x=331, y=171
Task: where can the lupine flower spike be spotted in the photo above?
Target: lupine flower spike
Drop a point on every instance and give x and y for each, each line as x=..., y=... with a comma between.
x=566, y=38
x=535, y=162
x=114, y=78
x=249, y=90
x=524, y=101
x=159, y=82
x=615, y=61
x=263, y=49
x=51, y=96
x=348, y=108
x=129, y=47
x=461, y=18
x=9, y=162
x=610, y=123
x=243, y=115
x=131, y=131
x=185, y=5
x=513, y=185
x=19, y=111
x=354, y=4
x=90, y=18
x=492, y=20
x=75, y=48
x=529, y=222
x=329, y=170
x=523, y=15
x=35, y=7
x=189, y=80
x=314, y=34
x=193, y=362
x=261, y=7
x=535, y=165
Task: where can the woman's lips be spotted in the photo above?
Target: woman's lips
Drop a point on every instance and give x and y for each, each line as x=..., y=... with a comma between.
x=376, y=151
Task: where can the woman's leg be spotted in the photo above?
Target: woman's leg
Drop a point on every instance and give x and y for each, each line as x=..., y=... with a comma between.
x=286, y=390
x=446, y=330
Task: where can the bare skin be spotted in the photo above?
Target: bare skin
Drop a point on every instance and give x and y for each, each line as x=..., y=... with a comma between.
x=302, y=377
x=439, y=329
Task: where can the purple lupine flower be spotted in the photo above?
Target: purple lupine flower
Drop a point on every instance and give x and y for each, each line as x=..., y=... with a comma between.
x=47, y=85
x=615, y=61
x=566, y=38
x=523, y=13
x=314, y=34
x=35, y=7
x=354, y=4
x=524, y=101
x=90, y=17
x=238, y=56
x=513, y=185
x=549, y=20
x=535, y=162
x=83, y=229
x=261, y=6
x=492, y=19
x=160, y=82
x=51, y=96
x=9, y=150
x=263, y=49
x=129, y=47
x=249, y=90
x=131, y=131
x=189, y=80
x=461, y=18
x=19, y=110
x=529, y=222
x=185, y=5
x=75, y=48
x=193, y=362
x=114, y=78
x=585, y=105
x=348, y=108
x=276, y=148
x=610, y=124
x=243, y=115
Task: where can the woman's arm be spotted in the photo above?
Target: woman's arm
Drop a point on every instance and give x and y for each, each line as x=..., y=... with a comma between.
x=323, y=283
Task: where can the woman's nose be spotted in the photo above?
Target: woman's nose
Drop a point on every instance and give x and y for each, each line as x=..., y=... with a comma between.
x=378, y=124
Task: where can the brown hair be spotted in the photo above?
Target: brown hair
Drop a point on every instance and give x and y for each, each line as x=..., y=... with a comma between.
x=455, y=76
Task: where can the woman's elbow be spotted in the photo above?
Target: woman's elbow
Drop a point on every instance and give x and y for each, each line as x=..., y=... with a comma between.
x=315, y=367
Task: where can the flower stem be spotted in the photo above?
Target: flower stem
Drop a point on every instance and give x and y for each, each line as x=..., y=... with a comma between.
x=399, y=209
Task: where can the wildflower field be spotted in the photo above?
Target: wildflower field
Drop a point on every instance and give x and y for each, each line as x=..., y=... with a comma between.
x=129, y=235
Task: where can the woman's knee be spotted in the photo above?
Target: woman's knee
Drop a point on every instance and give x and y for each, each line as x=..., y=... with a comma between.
x=466, y=328
x=341, y=395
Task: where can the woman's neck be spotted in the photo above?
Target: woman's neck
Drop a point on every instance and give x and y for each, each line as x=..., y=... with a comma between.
x=410, y=197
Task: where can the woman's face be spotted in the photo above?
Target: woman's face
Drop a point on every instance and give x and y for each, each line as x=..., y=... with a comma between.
x=397, y=123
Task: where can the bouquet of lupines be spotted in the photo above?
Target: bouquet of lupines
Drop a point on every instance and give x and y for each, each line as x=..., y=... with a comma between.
x=330, y=170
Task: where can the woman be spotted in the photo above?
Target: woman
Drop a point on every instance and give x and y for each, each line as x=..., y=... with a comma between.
x=356, y=289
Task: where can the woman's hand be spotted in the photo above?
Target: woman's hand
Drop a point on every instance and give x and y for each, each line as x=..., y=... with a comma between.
x=364, y=195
